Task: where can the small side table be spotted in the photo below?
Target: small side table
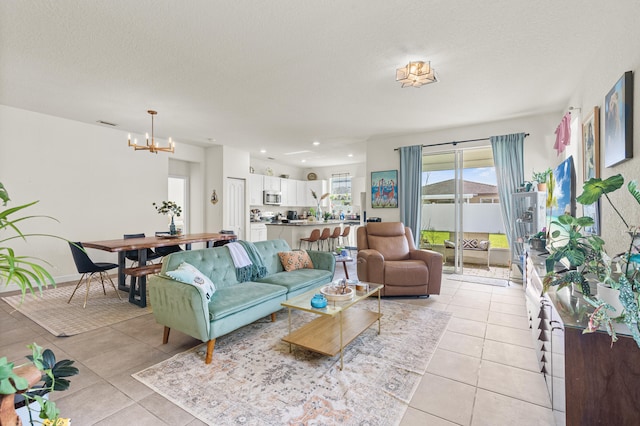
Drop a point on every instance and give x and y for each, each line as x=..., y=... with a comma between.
x=344, y=260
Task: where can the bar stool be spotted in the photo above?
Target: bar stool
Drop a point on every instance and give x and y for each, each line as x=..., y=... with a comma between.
x=345, y=234
x=334, y=237
x=313, y=238
x=326, y=233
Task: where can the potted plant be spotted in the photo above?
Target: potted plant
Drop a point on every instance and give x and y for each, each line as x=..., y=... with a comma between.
x=27, y=387
x=172, y=209
x=318, y=201
x=538, y=241
x=541, y=179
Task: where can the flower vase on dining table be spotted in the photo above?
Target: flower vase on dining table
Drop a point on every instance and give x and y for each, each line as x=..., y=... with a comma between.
x=172, y=227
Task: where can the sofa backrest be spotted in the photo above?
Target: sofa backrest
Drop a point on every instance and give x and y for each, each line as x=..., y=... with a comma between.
x=388, y=238
x=217, y=264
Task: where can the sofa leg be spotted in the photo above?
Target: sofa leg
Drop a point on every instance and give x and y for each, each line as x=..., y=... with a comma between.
x=165, y=335
x=210, y=345
x=273, y=317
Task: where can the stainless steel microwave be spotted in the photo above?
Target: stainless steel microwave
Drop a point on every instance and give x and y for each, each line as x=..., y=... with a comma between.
x=272, y=198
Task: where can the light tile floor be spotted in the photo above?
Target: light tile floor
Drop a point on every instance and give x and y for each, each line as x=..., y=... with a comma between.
x=484, y=371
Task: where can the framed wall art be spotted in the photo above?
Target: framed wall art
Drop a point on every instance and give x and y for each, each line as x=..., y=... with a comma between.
x=591, y=145
x=384, y=189
x=618, y=121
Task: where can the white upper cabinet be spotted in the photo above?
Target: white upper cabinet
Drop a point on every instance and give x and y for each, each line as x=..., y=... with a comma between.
x=289, y=189
x=272, y=183
x=255, y=190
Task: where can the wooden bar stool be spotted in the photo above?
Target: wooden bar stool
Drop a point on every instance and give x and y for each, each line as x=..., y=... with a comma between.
x=334, y=237
x=313, y=238
x=326, y=233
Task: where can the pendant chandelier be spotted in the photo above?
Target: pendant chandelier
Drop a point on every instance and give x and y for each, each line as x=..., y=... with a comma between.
x=152, y=146
x=416, y=74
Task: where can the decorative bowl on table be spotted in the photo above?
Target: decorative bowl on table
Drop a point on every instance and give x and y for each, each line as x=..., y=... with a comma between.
x=335, y=294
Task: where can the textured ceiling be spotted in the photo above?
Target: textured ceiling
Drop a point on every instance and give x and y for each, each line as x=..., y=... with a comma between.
x=279, y=75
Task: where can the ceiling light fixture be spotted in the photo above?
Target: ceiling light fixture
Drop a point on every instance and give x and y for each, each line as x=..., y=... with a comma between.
x=416, y=74
x=153, y=146
x=316, y=143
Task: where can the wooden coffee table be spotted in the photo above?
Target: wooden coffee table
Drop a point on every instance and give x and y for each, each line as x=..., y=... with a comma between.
x=337, y=324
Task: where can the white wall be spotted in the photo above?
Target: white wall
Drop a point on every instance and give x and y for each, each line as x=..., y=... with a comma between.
x=538, y=148
x=86, y=177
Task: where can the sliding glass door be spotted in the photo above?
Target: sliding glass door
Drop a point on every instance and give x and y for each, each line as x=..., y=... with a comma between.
x=461, y=212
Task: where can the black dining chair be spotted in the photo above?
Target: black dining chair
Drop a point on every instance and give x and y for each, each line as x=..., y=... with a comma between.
x=89, y=269
x=132, y=255
x=166, y=251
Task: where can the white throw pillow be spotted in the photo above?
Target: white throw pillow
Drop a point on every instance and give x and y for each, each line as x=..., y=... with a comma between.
x=189, y=274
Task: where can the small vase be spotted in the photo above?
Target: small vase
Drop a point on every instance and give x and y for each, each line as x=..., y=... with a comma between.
x=172, y=227
x=319, y=213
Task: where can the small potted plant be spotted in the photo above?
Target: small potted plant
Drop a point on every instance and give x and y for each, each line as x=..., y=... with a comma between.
x=172, y=209
x=541, y=179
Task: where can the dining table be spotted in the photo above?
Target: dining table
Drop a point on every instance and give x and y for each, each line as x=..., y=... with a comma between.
x=138, y=288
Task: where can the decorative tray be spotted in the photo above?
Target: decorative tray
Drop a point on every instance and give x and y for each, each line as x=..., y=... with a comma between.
x=332, y=293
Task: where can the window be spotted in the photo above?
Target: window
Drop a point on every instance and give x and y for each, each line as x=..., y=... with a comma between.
x=341, y=192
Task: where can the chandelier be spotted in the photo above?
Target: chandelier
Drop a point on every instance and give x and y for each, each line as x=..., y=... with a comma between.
x=416, y=74
x=153, y=145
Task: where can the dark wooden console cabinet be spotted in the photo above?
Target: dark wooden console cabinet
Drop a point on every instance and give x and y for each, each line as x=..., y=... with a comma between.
x=591, y=381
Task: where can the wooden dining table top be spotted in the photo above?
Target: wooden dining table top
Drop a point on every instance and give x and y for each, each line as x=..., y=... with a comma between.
x=123, y=244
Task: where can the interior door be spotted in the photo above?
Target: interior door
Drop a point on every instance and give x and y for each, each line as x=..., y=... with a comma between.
x=234, y=207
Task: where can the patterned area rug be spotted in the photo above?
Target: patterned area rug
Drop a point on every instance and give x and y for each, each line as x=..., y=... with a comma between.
x=254, y=379
x=52, y=312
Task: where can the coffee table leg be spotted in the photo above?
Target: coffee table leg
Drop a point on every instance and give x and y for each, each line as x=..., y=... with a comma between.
x=341, y=346
x=379, y=312
x=290, y=348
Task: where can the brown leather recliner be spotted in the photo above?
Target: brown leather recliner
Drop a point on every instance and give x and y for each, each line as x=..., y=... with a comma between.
x=387, y=255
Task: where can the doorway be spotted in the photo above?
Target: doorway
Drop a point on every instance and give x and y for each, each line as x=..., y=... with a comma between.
x=178, y=192
x=235, y=214
x=461, y=215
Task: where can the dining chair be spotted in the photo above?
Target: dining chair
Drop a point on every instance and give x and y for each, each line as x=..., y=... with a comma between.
x=326, y=233
x=166, y=251
x=85, y=266
x=132, y=255
x=334, y=237
x=313, y=238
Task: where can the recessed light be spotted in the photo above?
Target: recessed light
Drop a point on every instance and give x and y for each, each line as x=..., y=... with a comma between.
x=303, y=161
x=349, y=155
x=263, y=151
x=316, y=143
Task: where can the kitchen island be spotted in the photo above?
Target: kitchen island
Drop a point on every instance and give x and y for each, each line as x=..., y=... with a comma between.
x=294, y=230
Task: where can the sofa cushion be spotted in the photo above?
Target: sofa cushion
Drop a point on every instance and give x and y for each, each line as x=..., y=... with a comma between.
x=470, y=243
x=406, y=273
x=483, y=245
x=297, y=259
x=298, y=279
x=229, y=300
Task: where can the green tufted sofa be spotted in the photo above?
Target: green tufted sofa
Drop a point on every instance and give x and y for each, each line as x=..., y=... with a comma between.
x=179, y=306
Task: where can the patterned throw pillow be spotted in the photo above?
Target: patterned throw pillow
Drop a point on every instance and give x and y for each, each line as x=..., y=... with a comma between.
x=189, y=274
x=297, y=259
x=483, y=245
x=469, y=244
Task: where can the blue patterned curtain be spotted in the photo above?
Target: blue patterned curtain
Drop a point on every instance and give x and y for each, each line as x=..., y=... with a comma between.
x=410, y=188
x=508, y=156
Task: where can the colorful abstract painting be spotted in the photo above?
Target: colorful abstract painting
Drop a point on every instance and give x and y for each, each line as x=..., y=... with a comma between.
x=384, y=189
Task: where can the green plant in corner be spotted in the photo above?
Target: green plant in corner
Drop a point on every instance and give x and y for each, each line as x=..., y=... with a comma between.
x=541, y=177
x=25, y=271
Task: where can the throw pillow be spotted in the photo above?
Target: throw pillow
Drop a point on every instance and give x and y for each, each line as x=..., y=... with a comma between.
x=483, y=245
x=449, y=244
x=189, y=274
x=469, y=244
x=292, y=260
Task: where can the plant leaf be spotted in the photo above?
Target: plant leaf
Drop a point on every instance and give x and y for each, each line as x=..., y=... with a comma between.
x=594, y=188
x=633, y=189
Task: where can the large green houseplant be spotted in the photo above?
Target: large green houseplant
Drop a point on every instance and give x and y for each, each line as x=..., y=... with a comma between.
x=587, y=254
x=42, y=374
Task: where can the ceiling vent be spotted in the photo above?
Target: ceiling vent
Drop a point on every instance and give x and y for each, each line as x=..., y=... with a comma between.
x=106, y=123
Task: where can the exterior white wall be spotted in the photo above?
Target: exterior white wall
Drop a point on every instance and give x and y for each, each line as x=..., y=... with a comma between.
x=476, y=217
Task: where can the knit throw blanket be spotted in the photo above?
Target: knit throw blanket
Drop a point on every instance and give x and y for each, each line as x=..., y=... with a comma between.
x=242, y=252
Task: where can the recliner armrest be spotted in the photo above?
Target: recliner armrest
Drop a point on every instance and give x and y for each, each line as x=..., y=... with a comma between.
x=371, y=266
x=433, y=260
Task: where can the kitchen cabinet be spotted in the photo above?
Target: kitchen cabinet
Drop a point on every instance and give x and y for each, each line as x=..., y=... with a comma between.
x=258, y=232
x=272, y=183
x=289, y=191
x=255, y=190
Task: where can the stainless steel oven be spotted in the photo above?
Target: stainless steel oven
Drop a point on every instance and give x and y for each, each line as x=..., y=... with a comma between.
x=272, y=198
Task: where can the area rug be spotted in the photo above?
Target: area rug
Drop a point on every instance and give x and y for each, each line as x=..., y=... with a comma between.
x=479, y=280
x=53, y=313
x=254, y=379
